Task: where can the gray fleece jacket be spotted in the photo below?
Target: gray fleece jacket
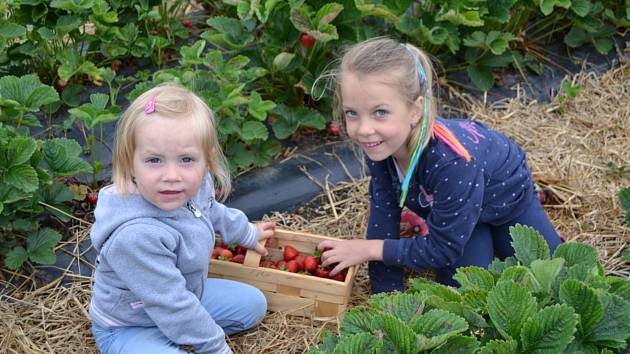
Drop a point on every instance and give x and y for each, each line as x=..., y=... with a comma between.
x=152, y=264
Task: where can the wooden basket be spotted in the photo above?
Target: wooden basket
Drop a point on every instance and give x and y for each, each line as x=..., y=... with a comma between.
x=292, y=293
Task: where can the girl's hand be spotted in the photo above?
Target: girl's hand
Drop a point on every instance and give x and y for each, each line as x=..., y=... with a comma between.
x=346, y=253
x=265, y=230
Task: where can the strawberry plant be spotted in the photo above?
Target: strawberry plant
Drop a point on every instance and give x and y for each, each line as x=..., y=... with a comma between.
x=529, y=303
x=624, y=198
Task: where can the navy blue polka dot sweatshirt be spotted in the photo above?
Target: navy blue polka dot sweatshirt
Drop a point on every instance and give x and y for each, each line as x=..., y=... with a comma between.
x=453, y=195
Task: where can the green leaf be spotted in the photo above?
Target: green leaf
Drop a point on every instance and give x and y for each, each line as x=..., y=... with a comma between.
x=509, y=306
x=624, y=198
x=585, y=303
x=282, y=61
x=368, y=8
x=403, y=306
x=27, y=91
x=581, y=7
x=359, y=343
x=523, y=276
x=576, y=253
x=619, y=286
x=62, y=156
x=40, y=246
x=67, y=24
x=498, y=266
x=20, y=150
x=290, y=119
x=458, y=345
x=546, y=271
x=499, y=42
x=23, y=177
x=254, y=130
x=575, y=37
x=474, y=278
x=546, y=6
x=428, y=287
x=481, y=76
x=476, y=39
x=603, y=45
x=614, y=328
x=11, y=30
x=258, y=107
x=99, y=100
x=549, y=330
x=528, y=244
x=357, y=320
x=327, y=13
x=16, y=258
x=436, y=326
x=500, y=347
x=403, y=338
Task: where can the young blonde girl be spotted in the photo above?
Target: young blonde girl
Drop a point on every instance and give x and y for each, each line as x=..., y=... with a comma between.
x=155, y=229
x=470, y=183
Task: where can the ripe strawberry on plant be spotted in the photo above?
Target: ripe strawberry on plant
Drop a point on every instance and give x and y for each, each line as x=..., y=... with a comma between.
x=241, y=250
x=289, y=253
x=187, y=23
x=91, y=198
x=238, y=258
x=333, y=129
x=310, y=263
x=307, y=40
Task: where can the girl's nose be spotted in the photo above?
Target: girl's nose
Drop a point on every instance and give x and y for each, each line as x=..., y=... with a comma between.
x=365, y=128
x=172, y=172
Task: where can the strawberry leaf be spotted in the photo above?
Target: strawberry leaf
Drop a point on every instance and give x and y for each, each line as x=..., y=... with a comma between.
x=509, y=306
x=474, y=278
x=16, y=258
x=576, y=253
x=528, y=244
x=500, y=347
x=546, y=271
x=613, y=329
x=549, y=330
x=458, y=345
x=436, y=327
x=585, y=303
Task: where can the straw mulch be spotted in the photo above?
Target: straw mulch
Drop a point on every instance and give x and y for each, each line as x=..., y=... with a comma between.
x=569, y=145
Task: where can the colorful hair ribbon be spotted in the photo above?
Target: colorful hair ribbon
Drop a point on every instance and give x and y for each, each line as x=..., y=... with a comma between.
x=149, y=107
x=437, y=129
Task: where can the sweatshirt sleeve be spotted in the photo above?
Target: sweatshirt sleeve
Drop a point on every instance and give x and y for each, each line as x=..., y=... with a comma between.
x=457, y=188
x=142, y=257
x=231, y=223
x=383, y=224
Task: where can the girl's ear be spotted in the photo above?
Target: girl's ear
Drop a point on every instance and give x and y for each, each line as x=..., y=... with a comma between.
x=417, y=111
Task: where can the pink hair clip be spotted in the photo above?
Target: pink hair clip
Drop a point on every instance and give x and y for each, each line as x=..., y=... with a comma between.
x=149, y=107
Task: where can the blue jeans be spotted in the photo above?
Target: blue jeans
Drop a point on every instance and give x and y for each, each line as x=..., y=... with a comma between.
x=233, y=305
x=487, y=241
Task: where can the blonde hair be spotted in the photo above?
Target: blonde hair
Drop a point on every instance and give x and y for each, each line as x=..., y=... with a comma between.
x=174, y=102
x=382, y=55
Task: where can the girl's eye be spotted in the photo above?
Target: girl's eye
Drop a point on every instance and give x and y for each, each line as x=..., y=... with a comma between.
x=380, y=113
x=187, y=160
x=350, y=114
x=153, y=160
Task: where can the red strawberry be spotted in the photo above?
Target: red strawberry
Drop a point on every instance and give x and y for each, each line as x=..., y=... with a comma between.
x=187, y=23
x=310, y=263
x=282, y=265
x=292, y=266
x=239, y=258
x=341, y=276
x=61, y=84
x=322, y=272
x=289, y=253
x=241, y=250
x=91, y=198
x=333, y=129
x=216, y=252
x=225, y=255
x=307, y=40
x=412, y=225
x=268, y=263
x=300, y=261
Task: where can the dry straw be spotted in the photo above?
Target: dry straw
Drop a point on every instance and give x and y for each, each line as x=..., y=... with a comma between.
x=569, y=144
